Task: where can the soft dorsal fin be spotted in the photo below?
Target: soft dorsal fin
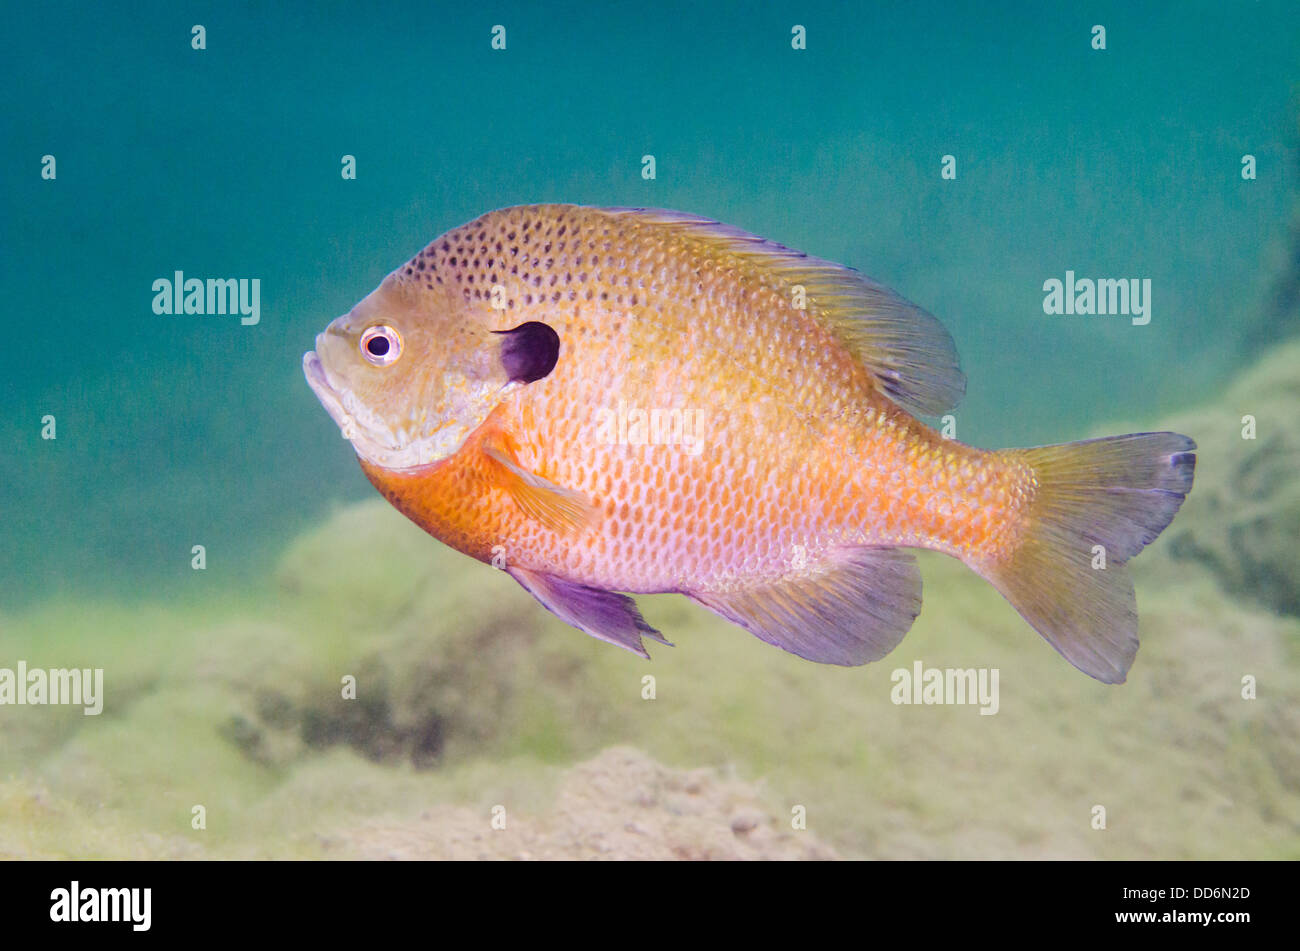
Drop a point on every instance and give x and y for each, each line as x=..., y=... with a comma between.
x=906, y=350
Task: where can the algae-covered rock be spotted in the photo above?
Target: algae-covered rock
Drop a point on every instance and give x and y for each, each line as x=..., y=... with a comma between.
x=38, y=823
x=1242, y=518
x=416, y=653
x=621, y=804
x=155, y=763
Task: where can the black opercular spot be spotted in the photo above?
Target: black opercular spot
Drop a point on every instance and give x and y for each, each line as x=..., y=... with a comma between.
x=529, y=351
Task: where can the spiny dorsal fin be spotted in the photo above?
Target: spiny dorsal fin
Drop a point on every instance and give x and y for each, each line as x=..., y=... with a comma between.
x=906, y=350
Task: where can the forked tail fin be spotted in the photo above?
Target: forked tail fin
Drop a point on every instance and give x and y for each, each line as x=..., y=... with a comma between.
x=1118, y=493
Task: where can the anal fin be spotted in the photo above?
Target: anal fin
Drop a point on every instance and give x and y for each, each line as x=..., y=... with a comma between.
x=603, y=614
x=851, y=611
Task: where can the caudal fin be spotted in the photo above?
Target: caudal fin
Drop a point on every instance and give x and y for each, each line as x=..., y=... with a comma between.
x=1118, y=493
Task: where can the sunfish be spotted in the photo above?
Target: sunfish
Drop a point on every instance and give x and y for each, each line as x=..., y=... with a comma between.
x=607, y=400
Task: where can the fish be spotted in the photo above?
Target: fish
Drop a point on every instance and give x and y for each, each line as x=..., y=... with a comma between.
x=604, y=402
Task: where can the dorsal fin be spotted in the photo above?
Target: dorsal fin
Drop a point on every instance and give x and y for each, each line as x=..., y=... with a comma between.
x=906, y=350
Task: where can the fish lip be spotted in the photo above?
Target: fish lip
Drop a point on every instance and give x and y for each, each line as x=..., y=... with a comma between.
x=329, y=397
x=385, y=457
x=402, y=458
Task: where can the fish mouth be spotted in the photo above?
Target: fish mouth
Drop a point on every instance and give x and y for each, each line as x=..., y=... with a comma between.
x=372, y=438
x=387, y=455
x=329, y=397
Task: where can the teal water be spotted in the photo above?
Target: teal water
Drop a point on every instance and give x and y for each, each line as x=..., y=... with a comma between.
x=175, y=431
x=222, y=687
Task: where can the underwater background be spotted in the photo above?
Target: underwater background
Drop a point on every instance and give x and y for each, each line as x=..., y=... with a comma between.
x=222, y=684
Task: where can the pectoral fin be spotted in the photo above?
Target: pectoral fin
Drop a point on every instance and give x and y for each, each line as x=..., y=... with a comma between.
x=603, y=614
x=852, y=611
x=559, y=509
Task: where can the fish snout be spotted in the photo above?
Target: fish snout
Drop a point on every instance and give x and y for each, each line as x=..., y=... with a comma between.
x=313, y=368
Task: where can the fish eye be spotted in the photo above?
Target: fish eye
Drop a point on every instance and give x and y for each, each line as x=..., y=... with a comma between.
x=381, y=345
